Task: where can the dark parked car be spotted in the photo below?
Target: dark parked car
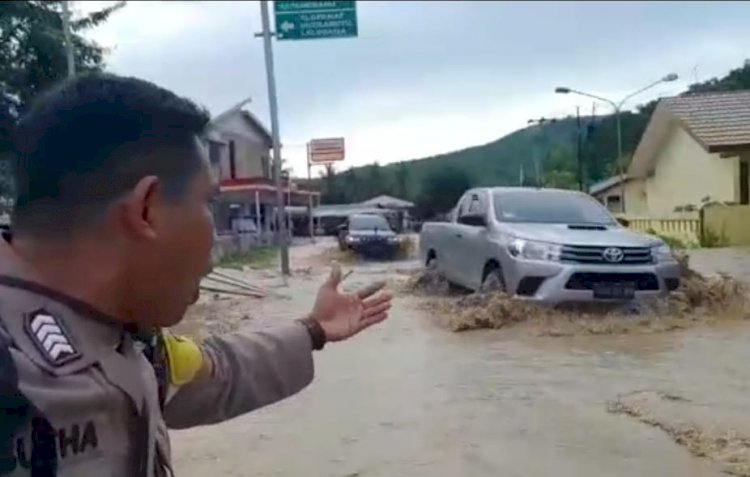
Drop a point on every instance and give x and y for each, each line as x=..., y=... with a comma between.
x=369, y=235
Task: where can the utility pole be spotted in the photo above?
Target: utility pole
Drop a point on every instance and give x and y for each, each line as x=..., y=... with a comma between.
x=310, y=205
x=69, y=51
x=580, y=151
x=281, y=229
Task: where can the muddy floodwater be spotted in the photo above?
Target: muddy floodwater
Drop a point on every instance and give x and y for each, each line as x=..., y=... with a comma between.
x=411, y=399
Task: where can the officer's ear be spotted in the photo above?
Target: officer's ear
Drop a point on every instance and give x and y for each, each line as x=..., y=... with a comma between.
x=140, y=211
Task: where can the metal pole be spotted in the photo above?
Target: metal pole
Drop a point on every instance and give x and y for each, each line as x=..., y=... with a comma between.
x=580, y=149
x=257, y=217
x=620, y=161
x=289, y=222
x=310, y=219
x=68, y=42
x=534, y=159
x=281, y=234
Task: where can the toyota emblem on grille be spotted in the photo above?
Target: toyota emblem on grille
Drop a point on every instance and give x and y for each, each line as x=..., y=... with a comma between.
x=613, y=254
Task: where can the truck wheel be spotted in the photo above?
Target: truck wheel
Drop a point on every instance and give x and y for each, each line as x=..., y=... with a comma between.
x=442, y=286
x=493, y=281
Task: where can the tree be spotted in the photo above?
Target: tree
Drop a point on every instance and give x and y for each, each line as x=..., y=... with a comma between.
x=332, y=193
x=738, y=78
x=32, y=48
x=375, y=182
x=352, y=186
x=402, y=180
x=441, y=190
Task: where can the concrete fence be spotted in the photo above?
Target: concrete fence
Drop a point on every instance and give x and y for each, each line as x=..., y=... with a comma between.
x=227, y=244
x=726, y=225
x=715, y=225
x=686, y=229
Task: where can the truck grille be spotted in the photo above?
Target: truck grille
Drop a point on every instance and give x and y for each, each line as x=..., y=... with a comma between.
x=595, y=254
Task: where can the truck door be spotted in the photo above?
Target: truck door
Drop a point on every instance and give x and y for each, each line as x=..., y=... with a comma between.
x=449, y=259
x=471, y=239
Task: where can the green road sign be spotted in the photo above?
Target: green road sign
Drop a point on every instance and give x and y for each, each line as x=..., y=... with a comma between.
x=302, y=20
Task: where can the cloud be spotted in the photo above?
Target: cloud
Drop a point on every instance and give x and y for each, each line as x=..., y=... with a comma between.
x=426, y=77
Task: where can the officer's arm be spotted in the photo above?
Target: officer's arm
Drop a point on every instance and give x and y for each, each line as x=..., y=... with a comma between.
x=243, y=372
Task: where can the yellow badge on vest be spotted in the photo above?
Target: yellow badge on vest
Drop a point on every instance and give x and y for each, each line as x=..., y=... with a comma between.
x=184, y=358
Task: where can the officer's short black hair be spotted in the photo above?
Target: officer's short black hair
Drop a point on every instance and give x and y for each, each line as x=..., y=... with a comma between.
x=87, y=141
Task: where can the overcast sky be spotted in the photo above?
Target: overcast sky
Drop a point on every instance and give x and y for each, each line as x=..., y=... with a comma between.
x=426, y=77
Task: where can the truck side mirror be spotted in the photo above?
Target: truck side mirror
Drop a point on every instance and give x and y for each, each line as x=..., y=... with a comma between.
x=623, y=221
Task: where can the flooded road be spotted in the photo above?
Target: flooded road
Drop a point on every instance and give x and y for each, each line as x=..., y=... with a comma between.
x=411, y=399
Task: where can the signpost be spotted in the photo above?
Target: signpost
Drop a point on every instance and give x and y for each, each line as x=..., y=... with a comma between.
x=298, y=20
x=325, y=151
x=303, y=20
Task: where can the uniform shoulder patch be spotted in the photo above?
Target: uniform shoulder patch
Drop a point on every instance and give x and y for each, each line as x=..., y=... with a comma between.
x=51, y=338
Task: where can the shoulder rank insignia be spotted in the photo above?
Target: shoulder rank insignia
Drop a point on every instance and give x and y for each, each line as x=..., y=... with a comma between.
x=50, y=336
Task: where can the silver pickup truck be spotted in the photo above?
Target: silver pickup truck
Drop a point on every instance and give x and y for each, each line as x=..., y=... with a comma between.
x=547, y=245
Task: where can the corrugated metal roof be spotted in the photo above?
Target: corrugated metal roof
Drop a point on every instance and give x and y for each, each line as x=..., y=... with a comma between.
x=388, y=201
x=349, y=211
x=605, y=184
x=716, y=119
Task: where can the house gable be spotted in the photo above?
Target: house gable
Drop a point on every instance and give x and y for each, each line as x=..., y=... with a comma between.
x=243, y=124
x=718, y=122
x=241, y=146
x=644, y=159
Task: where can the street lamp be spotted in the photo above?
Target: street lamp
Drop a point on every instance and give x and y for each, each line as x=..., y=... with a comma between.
x=618, y=108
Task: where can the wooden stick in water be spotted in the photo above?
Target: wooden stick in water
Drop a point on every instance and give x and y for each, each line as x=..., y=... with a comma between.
x=238, y=280
x=225, y=281
x=232, y=292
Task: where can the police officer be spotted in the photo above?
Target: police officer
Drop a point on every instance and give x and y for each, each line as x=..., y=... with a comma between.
x=112, y=233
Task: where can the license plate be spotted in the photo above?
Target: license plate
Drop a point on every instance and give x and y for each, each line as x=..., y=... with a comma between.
x=616, y=291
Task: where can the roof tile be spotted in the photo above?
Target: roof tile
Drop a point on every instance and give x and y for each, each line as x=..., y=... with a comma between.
x=717, y=119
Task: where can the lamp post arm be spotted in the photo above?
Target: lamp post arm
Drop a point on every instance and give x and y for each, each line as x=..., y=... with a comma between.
x=619, y=105
x=599, y=98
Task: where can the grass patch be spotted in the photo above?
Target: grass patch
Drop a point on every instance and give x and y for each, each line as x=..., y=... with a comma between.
x=261, y=257
x=675, y=243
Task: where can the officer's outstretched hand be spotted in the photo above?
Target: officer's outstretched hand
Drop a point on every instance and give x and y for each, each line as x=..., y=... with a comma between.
x=343, y=315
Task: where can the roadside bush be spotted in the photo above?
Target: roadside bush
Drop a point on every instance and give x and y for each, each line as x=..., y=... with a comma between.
x=709, y=239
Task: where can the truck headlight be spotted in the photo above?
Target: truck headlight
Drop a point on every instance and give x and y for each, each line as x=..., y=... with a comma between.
x=662, y=253
x=352, y=239
x=531, y=250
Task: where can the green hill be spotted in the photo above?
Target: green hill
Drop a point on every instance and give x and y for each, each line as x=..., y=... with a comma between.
x=552, y=145
x=500, y=162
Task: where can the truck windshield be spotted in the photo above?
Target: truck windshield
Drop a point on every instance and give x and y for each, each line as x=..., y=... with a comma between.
x=549, y=207
x=368, y=222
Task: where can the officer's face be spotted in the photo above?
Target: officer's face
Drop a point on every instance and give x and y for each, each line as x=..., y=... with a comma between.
x=172, y=250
